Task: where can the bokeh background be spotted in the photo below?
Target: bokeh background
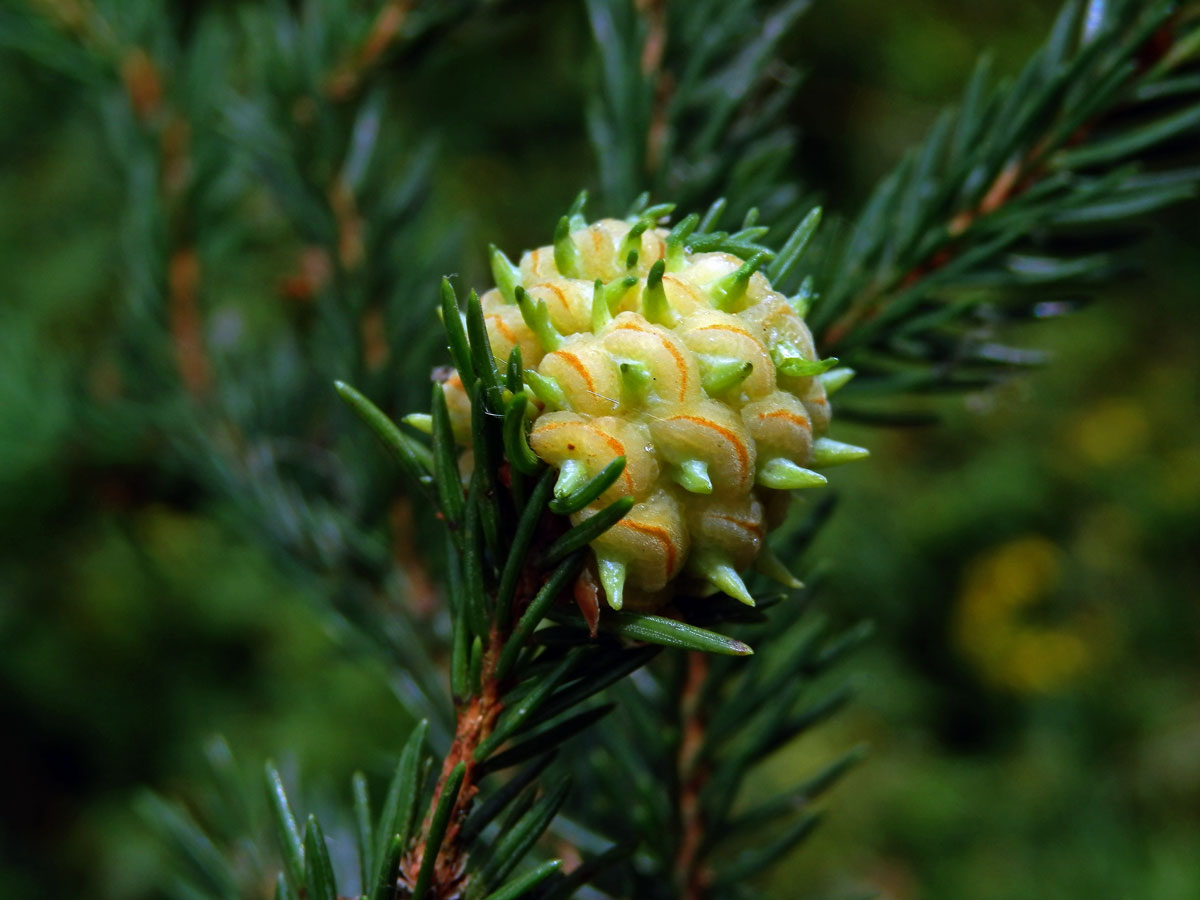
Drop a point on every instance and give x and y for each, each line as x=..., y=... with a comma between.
x=1032, y=695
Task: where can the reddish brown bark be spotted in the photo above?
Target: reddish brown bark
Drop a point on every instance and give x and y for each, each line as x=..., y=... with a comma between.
x=384, y=31
x=691, y=875
x=1015, y=179
x=476, y=721
x=187, y=327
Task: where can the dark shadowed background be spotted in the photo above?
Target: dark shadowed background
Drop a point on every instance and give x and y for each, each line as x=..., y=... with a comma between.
x=1032, y=696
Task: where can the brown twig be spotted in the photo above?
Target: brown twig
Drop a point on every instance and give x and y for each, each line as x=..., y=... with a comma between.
x=692, y=877
x=142, y=83
x=184, y=269
x=476, y=720
x=1013, y=180
x=183, y=280
x=80, y=19
x=421, y=595
x=145, y=87
x=350, y=74
x=655, y=13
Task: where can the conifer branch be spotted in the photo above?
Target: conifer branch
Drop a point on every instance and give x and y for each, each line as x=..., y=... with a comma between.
x=476, y=720
x=1015, y=200
x=691, y=873
x=348, y=76
x=144, y=83
x=727, y=717
x=687, y=103
x=653, y=48
x=513, y=698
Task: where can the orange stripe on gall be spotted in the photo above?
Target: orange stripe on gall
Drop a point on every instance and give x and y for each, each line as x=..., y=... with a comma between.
x=558, y=293
x=502, y=327
x=680, y=364
x=616, y=446
x=730, y=328
x=575, y=363
x=742, y=452
x=795, y=418
x=535, y=257
x=778, y=310
x=659, y=534
x=684, y=285
x=754, y=528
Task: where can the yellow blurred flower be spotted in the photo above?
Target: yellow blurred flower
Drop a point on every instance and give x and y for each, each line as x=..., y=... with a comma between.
x=1179, y=478
x=1110, y=432
x=992, y=626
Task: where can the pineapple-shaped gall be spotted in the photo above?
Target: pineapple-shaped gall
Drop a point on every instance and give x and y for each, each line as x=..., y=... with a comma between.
x=689, y=366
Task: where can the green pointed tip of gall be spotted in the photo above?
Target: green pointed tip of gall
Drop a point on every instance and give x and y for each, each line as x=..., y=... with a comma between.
x=720, y=374
x=784, y=475
x=828, y=452
x=566, y=254
x=790, y=361
x=835, y=379
x=590, y=490
x=632, y=244
x=537, y=317
x=612, y=577
x=677, y=241
x=635, y=378
x=423, y=422
x=729, y=289
x=692, y=475
x=547, y=389
x=571, y=477
x=721, y=573
x=614, y=291
x=601, y=314
x=772, y=566
x=606, y=297
x=655, y=306
x=506, y=275
x=575, y=217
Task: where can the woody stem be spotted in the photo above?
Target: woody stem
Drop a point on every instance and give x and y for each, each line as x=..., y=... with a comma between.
x=691, y=876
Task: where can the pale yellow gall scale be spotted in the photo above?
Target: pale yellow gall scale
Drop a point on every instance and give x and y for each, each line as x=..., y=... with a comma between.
x=687, y=364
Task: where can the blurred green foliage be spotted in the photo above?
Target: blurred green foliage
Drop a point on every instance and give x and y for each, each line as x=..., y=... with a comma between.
x=136, y=620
